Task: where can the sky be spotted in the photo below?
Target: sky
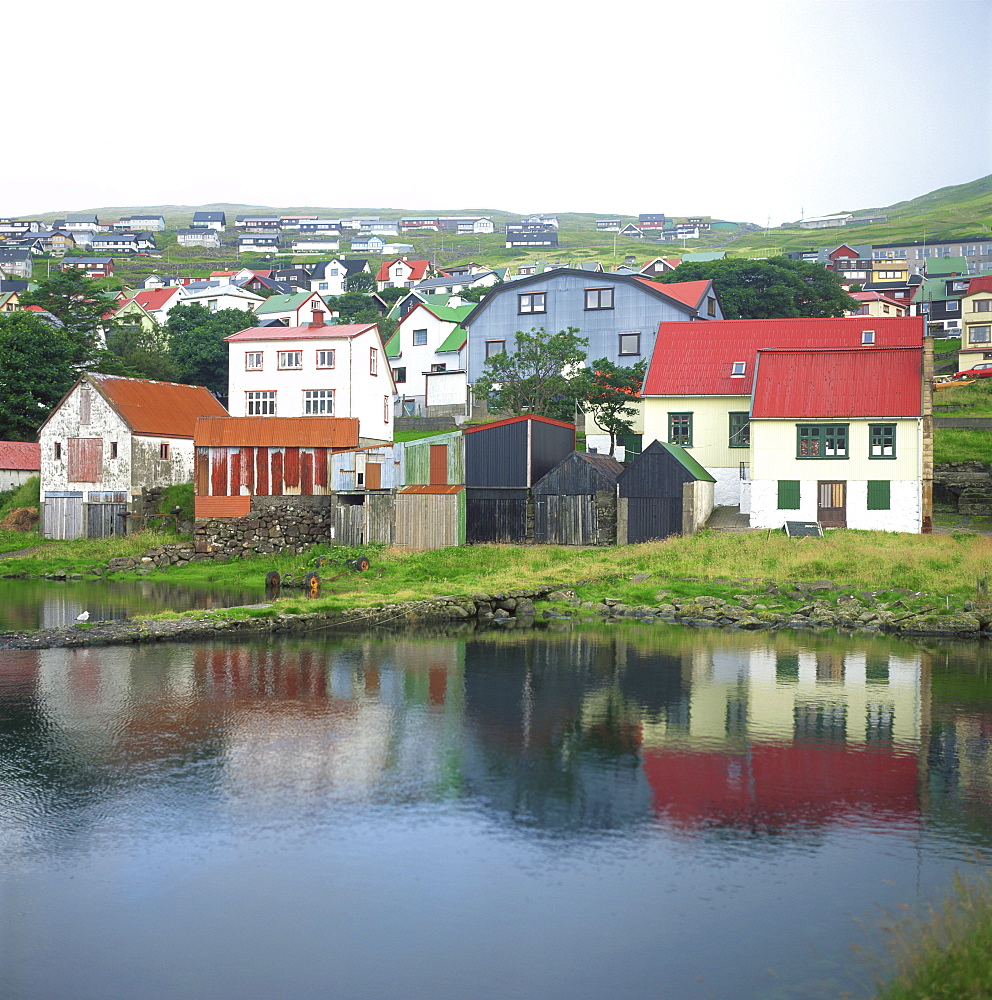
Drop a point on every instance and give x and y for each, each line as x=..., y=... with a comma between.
x=760, y=111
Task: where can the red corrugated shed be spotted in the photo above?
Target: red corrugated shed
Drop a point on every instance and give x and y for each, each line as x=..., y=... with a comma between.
x=277, y=432
x=20, y=456
x=692, y=359
x=345, y=330
x=163, y=409
x=433, y=490
x=828, y=384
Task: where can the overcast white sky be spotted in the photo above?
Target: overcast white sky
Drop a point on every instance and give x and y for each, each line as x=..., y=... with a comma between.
x=740, y=110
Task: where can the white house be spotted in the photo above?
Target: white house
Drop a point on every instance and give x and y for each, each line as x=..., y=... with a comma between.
x=429, y=343
x=19, y=461
x=451, y=284
x=109, y=439
x=313, y=370
x=315, y=244
x=403, y=273
x=370, y=243
x=202, y=236
x=216, y=297
x=798, y=419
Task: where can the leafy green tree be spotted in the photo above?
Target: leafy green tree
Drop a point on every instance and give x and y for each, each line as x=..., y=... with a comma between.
x=478, y=294
x=354, y=307
x=609, y=393
x=390, y=295
x=361, y=282
x=197, y=346
x=139, y=350
x=36, y=370
x=776, y=287
x=79, y=304
x=542, y=375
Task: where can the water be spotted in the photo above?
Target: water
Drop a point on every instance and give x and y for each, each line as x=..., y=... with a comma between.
x=33, y=603
x=622, y=811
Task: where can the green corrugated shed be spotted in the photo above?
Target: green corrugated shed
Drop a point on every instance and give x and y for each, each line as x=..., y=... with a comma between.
x=417, y=456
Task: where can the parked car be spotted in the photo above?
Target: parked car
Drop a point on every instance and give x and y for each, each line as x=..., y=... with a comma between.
x=981, y=370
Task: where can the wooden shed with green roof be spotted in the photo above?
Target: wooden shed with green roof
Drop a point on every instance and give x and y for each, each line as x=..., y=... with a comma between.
x=663, y=492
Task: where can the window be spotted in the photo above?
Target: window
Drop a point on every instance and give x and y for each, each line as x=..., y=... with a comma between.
x=982, y=305
x=318, y=402
x=419, y=338
x=495, y=347
x=260, y=404
x=113, y=449
x=889, y=275
x=739, y=369
x=290, y=359
x=399, y=375
x=599, y=298
x=885, y=308
x=978, y=334
x=882, y=440
x=680, y=429
x=788, y=494
x=212, y=305
x=531, y=302
x=385, y=409
x=58, y=451
x=710, y=305
x=821, y=440
x=322, y=286
x=878, y=494
x=439, y=368
x=373, y=361
x=740, y=429
x=163, y=451
x=325, y=359
x=630, y=343
x=253, y=361
x=952, y=306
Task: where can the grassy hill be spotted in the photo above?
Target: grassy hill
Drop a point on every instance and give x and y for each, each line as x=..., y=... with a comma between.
x=957, y=210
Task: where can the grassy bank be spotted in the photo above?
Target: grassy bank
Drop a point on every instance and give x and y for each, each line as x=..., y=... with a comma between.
x=947, y=955
x=943, y=567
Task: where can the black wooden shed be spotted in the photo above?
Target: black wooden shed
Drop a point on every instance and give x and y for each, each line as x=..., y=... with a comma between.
x=576, y=502
x=503, y=460
x=663, y=492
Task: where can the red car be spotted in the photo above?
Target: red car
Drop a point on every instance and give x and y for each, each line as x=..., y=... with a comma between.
x=982, y=370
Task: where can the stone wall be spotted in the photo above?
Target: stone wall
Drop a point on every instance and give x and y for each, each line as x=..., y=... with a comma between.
x=968, y=485
x=274, y=524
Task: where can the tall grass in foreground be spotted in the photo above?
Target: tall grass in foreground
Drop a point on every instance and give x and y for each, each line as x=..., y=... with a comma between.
x=948, y=955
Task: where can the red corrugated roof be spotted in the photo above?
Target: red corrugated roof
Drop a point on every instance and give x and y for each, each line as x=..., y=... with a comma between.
x=153, y=298
x=876, y=297
x=982, y=283
x=696, y=359
x=20, y=455
x=418, y=268
x=689, y=293
x=829, y=384
x=163, y=409
x=277, y=432
x=325, y=332
x=513, y=420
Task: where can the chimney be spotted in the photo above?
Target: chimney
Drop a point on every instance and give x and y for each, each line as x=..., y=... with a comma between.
x=318, y=319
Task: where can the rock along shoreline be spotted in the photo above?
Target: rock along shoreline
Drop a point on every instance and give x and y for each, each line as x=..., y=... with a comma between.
x=517, y=609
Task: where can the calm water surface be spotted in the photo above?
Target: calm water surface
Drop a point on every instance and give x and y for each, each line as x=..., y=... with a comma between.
x=632, y=811
x=31, y=604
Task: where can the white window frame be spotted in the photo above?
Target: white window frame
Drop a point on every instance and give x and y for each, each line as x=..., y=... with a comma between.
x=290, y=360
x=260, y=403
x=318, y=402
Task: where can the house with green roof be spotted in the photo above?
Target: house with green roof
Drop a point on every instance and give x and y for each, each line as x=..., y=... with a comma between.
x=427, y=356
x=297, y=309
x=937, y=266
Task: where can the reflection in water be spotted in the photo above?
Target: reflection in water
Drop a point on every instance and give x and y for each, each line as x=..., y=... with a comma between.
x=32, y=604
x=614, y=808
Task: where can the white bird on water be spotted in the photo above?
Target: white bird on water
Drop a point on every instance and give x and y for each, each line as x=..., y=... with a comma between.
x=84, y=617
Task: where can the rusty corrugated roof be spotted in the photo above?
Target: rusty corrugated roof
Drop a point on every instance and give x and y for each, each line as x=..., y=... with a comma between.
x=825, y=384
x=277, y=432
x=163, y=409
x=20, y=455
x=436, y=490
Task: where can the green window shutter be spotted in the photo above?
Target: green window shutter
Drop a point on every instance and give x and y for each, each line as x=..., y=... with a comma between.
x=788, y=494
x=878, y=494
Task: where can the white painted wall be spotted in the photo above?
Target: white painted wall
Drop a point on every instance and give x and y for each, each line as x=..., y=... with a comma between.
x=905, y=499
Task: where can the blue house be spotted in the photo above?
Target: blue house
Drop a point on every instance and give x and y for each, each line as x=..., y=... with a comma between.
x=618, y=314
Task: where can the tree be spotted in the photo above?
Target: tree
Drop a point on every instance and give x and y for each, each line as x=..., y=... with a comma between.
x=36, y=370
x=610, y=391
x=478, y=293
x=196, y=343
x=361, y=282
x=139, y=350
x=79, y=304
x=354, y=307
x=776, y=287
x=390, y=295
x=542, y=375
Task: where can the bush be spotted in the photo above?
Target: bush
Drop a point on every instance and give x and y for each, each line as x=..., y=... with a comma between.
x=177, y=496
x=26, y=495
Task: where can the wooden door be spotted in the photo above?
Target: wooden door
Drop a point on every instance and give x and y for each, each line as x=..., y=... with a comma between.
x=439, y=465
x=373, y=476
x=831, y=504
